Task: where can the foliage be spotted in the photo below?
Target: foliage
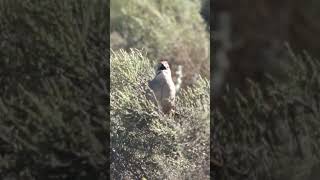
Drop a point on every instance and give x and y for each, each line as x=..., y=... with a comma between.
x=164, y=28
x=144, y=142
x=205, y=12
x=273, y=131
x=52, y=104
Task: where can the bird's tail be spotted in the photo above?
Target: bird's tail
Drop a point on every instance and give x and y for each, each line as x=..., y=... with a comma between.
x=179, y=78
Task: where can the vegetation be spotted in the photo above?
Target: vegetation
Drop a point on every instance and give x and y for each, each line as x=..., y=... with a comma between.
x=272, y=132
x=163, y=28
x=53, y=91
x=266, y=127
x=144, y=142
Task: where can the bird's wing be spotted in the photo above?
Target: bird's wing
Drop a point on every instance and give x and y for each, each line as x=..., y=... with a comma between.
x=150, y=93
x=151, y=84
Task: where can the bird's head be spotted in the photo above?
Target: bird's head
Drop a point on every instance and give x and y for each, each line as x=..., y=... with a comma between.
x=163, y=65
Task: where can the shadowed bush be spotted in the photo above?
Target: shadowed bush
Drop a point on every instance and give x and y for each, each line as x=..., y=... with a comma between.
x=272, y=132
x=53, y=91
x=146, y=143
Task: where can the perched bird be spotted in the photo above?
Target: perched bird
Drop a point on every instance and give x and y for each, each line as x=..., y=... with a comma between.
x=163, y=87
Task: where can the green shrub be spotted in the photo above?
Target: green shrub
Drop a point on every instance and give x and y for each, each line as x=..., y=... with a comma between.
x=171, y=29
x=52, y=104
x=145, y=143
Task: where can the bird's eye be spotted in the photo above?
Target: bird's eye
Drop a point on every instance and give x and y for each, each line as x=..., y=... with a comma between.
x=162, y=67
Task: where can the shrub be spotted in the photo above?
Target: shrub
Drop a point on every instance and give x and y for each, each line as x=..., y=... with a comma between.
x=273, y=131
x=171, y=29
x=53, y=90
x=145, y=143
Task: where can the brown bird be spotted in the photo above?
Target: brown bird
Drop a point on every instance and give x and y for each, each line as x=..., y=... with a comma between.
x=163, y=87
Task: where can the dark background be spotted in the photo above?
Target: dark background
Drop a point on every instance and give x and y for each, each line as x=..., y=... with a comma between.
x=265, y=89
x=53, y=86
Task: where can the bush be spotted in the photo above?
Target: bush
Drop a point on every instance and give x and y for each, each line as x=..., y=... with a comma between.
x=273, y=131
x=147, y=144
x=53, y=90
x=205, y=12
x=171, y=29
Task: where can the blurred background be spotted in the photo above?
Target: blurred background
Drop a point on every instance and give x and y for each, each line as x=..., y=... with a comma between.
x=53, y=90
x=171, y=29
x=265, y=116
x=255, y=35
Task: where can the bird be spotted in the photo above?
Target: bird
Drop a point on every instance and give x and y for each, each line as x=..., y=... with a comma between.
x=163, y=87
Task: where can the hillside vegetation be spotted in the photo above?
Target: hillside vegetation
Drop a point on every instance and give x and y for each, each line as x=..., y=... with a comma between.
x=173, y=29
x=146, y=143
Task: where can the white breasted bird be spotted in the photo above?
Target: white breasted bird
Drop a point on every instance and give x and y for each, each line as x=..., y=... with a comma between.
x=163, y=87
